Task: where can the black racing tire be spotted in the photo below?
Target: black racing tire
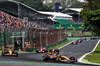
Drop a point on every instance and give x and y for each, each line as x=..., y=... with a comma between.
x=2, y=53
x=37, y=51
x=56, y=50
x=57, y=59
x=46, y=50
x=16, y=55
x=50, y=50
x=72, y=58
x=45, y=58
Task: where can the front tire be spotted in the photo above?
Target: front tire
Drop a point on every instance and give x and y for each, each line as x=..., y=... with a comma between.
x=2, y=53
x=37, y=52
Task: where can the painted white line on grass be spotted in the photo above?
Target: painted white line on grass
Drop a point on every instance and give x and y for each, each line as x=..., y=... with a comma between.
x=80, y=60
x=65, y=45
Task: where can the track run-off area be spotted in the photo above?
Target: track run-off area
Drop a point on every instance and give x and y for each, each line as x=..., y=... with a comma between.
x=77, y=51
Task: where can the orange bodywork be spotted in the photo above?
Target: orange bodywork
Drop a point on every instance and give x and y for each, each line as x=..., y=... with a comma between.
x=54, y=57
x=9, y=54
x=63, y=60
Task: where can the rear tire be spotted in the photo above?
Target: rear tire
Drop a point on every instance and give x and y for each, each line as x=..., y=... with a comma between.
x=45, y=58
x=57, y=59
x=57, y=50
x=46, y=50
x=72, y=59
x=16, y=55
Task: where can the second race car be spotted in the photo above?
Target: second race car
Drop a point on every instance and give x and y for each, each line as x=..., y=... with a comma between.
x=42, y=50
x=9, y=51
x=74, y=42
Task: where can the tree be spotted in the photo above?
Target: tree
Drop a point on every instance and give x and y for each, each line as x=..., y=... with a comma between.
x=76, y=4
x=91, y=16
x=36, y=4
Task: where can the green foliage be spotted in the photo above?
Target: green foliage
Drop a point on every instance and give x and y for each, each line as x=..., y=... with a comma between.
x=76, y=4
x=62, y=44
x=91, y=16
x=92, y=5
x=36, y=4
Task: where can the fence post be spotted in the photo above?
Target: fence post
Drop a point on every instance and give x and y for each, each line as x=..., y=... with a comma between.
x=28, y=35
x=60, y=34
x=47, y=38
x=34, y=36
x=40, y=38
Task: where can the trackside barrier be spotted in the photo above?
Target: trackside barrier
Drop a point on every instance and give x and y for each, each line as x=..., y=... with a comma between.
x=31, y=37
x=48, y=47
x=45, y=37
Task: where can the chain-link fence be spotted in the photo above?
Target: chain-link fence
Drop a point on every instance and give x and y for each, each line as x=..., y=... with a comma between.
x=20, y=37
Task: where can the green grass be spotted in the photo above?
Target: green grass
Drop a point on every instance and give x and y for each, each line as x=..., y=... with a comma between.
x=61, y=45
x=1, y=48
x=57, y=46
x=72, y=31
x=25, y=52
x=95, y=56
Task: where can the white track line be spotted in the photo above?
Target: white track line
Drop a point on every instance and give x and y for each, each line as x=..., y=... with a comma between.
x=65, y=45
x=80, y=60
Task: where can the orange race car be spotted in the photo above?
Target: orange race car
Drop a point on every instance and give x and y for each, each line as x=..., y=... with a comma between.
x=59, y=58
x=9, y=51
x=54, y=50
x=62, y=58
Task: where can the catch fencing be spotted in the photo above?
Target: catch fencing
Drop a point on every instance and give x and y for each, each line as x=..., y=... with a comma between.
x=35, y=38
x=45, y=37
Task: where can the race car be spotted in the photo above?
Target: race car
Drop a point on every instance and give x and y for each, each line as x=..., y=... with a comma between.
x=80, y=40
x=62, y=58
x=83, y=38
x=59, y=58
x=42, y=50
x=93, y=38
x=9, y=51
x=54, y=50
x=98, y=38
x=74, y=42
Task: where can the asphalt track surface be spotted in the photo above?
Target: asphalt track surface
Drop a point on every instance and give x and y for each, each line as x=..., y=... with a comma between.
x=70, y=50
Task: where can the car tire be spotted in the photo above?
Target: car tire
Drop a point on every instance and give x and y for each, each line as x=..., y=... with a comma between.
x=57, y=50
x=37, y=52
x=2, y=54
x=46, y=50
x=17, y=55
x=57, y=59
x=72, y=58
x=45, y=58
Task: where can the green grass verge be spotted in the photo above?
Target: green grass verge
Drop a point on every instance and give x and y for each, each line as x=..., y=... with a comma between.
x=1, y=48
x=95, y=56
x=57, y=46
x=60, y=45
x=25, y=52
